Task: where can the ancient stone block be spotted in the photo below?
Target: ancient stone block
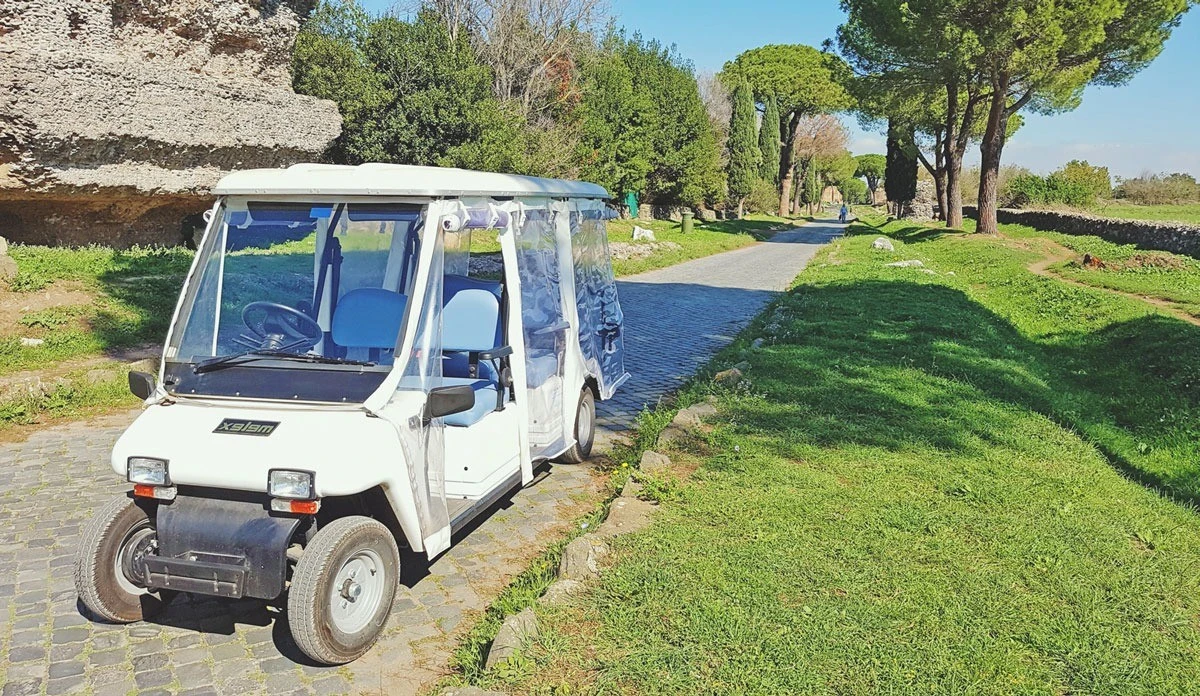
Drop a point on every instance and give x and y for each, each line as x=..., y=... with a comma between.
x=118, y=116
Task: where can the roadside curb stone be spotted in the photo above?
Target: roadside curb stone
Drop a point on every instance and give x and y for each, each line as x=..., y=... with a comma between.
x=654, y=462
x=516, y=631
x=625, y=516
x=581, y=558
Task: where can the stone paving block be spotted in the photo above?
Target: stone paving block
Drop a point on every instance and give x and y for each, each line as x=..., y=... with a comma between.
x=147, y=680
x=67, y=685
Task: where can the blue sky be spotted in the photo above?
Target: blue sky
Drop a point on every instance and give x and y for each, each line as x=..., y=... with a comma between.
x=1149, y=124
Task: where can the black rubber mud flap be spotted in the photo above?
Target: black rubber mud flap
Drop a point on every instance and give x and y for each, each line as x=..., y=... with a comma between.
x=228, y=548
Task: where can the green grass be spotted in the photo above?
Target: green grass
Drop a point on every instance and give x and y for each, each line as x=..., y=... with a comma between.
x=704, y=240
x=971, y=483
x=133, y=296
x=1189, y=212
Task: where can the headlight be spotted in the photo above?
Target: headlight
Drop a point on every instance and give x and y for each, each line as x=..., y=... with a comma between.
x=297, y=485
x=148, y=471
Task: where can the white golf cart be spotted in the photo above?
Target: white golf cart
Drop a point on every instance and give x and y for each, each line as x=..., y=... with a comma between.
x=340, y=379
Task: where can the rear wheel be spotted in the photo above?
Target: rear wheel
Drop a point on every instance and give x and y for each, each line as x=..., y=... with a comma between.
x=342, y=590
x=108, y=570
x=585, y=429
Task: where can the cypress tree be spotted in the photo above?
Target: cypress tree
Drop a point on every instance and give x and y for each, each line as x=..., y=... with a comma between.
x=768, y=141
x=900, y=177
x=743, y=152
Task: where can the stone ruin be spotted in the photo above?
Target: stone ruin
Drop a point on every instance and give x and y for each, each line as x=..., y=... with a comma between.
x=118, y=116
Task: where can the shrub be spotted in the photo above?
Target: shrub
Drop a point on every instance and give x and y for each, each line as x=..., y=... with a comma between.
x=763, y=198
x=1077, y=184
x=1095, y=180
x=1159, y=189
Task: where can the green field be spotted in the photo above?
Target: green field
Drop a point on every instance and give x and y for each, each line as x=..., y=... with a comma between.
x=1189, y=212
x=968, y=480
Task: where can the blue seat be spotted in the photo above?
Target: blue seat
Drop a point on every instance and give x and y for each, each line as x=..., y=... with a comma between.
x=485, y=401
x=471, y=323
x=369, y=319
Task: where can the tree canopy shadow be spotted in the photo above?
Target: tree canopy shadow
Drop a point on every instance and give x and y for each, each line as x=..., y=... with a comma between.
x=901, y=366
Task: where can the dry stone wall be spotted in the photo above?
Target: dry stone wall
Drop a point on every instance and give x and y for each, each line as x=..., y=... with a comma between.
x=1175, y=237
x=118, y=116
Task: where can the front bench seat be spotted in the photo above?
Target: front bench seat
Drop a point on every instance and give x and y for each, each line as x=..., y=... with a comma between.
x=367, y=323
x=471, y=324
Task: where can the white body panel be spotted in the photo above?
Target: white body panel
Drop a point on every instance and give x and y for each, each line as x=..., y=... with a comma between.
x=348, y=450
x=483, y=456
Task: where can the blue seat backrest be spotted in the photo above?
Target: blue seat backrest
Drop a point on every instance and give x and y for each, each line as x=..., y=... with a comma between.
x=469, y=320
x=454, y=284
x=368, y=318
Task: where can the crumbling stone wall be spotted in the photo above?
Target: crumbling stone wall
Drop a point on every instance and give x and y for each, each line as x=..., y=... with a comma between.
x=1176, y=237
x=118, y=116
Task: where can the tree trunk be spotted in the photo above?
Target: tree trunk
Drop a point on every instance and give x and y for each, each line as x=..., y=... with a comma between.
x=786, y=165
x=990, y=150
x=797, y=188
x=939, y=175
x=741, y=207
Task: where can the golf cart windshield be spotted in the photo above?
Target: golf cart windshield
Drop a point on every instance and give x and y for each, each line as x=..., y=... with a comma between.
x=321, y=287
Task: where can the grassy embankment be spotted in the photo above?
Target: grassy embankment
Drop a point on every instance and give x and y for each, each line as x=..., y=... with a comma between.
x=974, y=479
x=1189, y=212
x=88, y=305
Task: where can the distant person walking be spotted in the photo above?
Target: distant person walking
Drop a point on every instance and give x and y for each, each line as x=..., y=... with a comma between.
x=845, y=212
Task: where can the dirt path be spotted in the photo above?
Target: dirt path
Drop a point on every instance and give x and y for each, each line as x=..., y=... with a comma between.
x=1056, y=253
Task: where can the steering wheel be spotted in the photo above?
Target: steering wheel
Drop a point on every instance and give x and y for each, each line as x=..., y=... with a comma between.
x=279, y=327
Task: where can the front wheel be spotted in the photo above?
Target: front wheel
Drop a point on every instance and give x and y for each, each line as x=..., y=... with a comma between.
x=342, y=590
x=585, y=429
x=108, y=570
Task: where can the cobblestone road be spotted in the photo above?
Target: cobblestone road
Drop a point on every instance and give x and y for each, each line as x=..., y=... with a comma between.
x=677, y=317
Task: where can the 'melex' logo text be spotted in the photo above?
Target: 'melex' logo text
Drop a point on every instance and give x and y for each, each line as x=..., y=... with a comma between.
x=235, y=426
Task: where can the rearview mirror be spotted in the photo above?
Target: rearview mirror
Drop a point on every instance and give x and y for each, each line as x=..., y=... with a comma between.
x=141, y=384
x=445, y=401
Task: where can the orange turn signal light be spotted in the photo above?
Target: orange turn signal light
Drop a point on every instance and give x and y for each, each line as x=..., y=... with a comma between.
x=142, y=490
x=297, y=507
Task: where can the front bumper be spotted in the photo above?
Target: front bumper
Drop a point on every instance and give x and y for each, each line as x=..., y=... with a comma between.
x=214, y=546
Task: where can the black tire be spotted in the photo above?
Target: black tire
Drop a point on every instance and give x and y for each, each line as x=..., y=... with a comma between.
x=310, y=604
x=111, y=541
x=585, y=419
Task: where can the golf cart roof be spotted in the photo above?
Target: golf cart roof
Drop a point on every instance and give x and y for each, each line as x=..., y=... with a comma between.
x=396, y=180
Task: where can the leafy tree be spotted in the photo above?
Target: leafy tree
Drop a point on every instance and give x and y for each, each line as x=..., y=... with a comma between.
x=768, y=140
x=871, y=168
x=900, y=176
x=805, y=82
x=854, y=191
x=1003, y=57
x=685, y=161
x=615, y=144
x=328, y=62
x=439, y=95
x=743, y=152
x=409, y=92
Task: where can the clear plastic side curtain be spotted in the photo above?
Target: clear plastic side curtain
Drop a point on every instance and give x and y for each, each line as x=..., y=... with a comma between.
x=601, y=322
x=543, y=326
x=419, y=369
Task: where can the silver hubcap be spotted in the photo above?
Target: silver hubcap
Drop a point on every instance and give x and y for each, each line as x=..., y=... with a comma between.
x=357, y=591
x=584, y=432
x=127, y=563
